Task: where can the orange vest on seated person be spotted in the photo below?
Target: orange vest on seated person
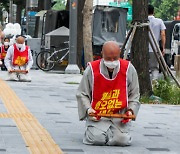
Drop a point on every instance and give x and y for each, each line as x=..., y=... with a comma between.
x=3, y=52
x=20, y=58
x=109, y=95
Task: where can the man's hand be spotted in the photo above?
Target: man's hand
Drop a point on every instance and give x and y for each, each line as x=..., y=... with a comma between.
x=163, y=41
x=27, y=70
x=9, y=70
x=91, y=110
x=128, y=113
x=163, y=51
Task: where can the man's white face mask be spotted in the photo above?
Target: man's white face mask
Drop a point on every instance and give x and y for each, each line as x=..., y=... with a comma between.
x=111, y=64
x=19, y=45
x=6, y=43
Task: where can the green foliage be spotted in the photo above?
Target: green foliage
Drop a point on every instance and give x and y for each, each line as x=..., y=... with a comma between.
x=60, y=5
x=164, y=92
x=168, y=91
x=4, y=4
x=145, y=100
x=130, y=1
x=165, y=9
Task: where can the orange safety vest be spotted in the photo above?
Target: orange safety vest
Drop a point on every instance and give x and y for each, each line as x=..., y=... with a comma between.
x=3, y=52
x=20, y=58
x=109, y=95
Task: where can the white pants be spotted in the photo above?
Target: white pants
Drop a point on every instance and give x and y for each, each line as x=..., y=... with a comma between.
x=19, y=77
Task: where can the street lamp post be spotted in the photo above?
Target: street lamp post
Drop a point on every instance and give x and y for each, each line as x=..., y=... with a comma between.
x=72, y=67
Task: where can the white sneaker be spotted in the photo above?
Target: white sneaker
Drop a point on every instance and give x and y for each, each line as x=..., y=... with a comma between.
x=24, y=78
x=13, y=77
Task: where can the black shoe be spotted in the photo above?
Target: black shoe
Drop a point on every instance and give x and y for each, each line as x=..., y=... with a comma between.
x=3, y=69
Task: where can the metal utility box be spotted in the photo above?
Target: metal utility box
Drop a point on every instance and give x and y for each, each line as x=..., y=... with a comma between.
x=56, y=38
x=56, y=19
x=109, y=24
x=35, y=46
x=39, y=30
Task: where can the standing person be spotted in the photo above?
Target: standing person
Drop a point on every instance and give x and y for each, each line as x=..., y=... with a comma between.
x=109, y=85
x=3, y=51
x=158, y=28
x=19, y=57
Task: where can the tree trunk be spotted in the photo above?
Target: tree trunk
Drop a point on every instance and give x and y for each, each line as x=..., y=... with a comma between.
x=1, y=17
x=67, y=5
x=139, y=51
x=47, y=4
x=177, y=65
x=80, y=32
x=40, y=5
x=44, y=5
x=18, y=14
x=87, y=30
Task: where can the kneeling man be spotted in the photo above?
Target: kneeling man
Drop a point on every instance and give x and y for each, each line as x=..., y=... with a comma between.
x=19, y=58
x=109, y=85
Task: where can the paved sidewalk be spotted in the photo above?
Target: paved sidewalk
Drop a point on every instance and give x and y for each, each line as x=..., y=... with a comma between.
x=51, y=99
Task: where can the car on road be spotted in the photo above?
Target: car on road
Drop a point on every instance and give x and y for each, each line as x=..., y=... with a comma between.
x=175, y=43
x=176, y=39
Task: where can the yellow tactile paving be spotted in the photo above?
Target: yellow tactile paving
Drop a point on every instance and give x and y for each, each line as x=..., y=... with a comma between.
x=37, y=139
x=15, y=115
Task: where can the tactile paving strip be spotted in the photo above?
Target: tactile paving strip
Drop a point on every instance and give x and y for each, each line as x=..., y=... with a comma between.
x=37, y=139
x=16, y=115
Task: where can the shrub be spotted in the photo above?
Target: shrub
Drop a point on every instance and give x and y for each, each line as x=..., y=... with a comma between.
x=168, y=91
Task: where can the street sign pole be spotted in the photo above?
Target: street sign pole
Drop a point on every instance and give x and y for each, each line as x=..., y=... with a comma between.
x=72, y=67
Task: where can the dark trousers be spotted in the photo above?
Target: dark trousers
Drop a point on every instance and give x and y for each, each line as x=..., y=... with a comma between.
x=3, y=67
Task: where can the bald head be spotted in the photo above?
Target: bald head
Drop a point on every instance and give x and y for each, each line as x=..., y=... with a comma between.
x=20, y=40
x=111, y=51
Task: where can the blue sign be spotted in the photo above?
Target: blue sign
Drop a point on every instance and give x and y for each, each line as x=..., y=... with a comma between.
x=32, y=13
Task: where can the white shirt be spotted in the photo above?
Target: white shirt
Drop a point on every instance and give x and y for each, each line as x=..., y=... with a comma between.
x=156, y=25
x=9, y=59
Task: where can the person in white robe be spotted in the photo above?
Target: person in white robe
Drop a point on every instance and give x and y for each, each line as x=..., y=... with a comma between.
x=19, y=57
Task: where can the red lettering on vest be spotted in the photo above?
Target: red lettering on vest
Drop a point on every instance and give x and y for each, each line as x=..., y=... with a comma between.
x=20, y=58
x=109, y=95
